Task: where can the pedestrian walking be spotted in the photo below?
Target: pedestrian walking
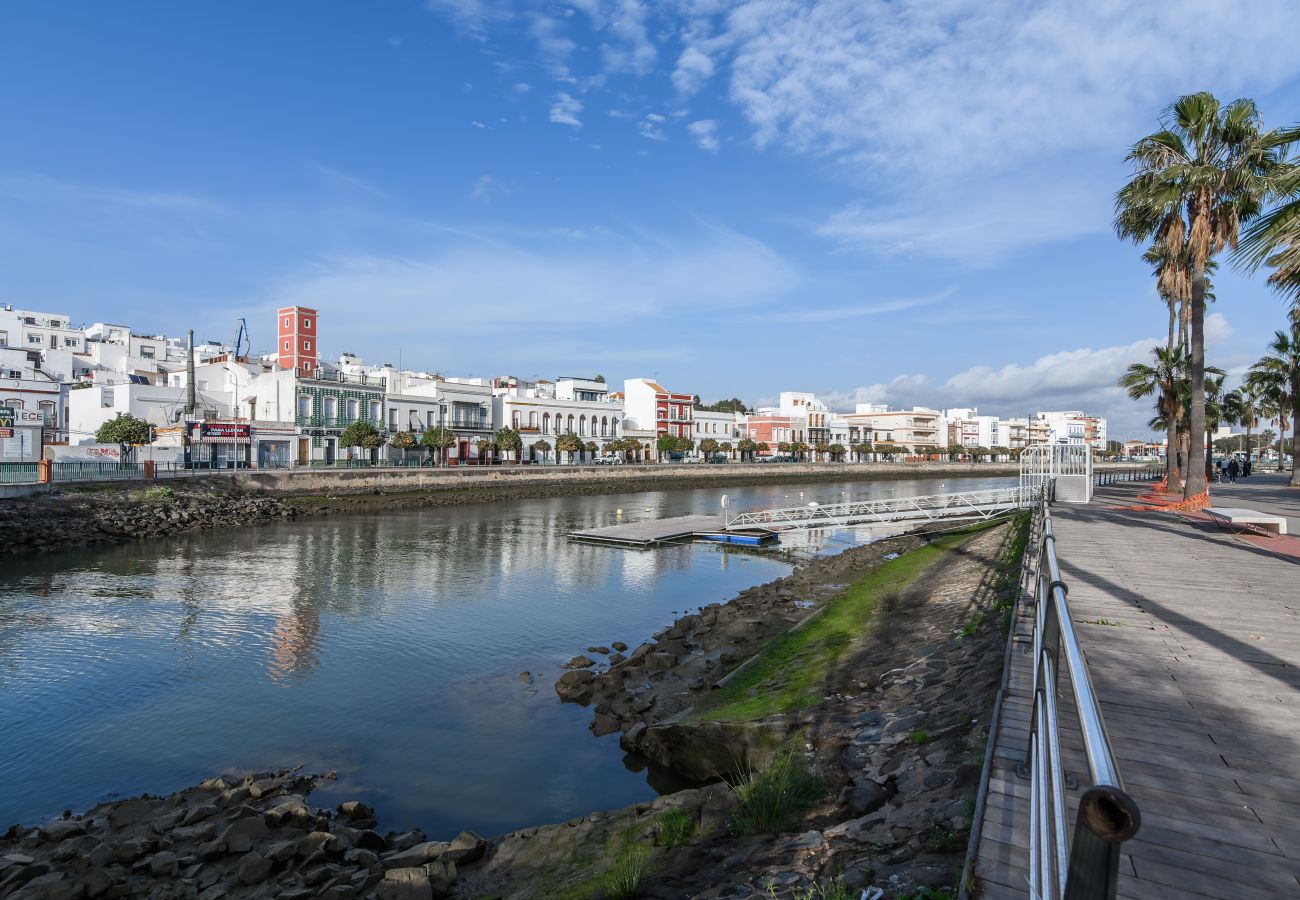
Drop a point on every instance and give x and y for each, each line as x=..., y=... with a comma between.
x=1245, y=468
x=1233, y=470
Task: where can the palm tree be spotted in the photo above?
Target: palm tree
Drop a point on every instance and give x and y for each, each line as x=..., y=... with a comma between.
x=1164, y=380
x=1277, y=377
x=1274, y=239
x=1241, y=406
x=1195, y=181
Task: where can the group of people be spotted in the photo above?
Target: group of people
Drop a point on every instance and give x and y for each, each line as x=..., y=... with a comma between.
x=1229, y=469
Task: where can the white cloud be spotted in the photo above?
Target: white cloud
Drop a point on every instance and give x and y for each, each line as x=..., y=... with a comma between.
x=649, y=128
x=705, y=132
x=856, y=311
x=1072, y=379
x=477, y=124
x=486, y=189
x=523, y=87
x=694, y=67
x=565, y=109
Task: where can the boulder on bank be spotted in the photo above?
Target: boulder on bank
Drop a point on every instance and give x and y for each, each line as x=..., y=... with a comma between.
x=576, y=686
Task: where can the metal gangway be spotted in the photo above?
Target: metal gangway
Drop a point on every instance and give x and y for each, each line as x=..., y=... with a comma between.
x=956, y=507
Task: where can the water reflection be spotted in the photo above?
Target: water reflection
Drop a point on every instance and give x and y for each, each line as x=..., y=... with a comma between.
x=384, y=647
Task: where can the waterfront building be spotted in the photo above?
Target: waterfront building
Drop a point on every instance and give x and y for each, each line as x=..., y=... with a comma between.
x=1073, y=427
x=38, y=397
x=967, y=428
x=650, y=406
x=815, y=414
x=38, y=331
x=161, y=405
x=767, y=425
x=320, y=406
x=543, y=410
x=720, y=426
x=916, y=428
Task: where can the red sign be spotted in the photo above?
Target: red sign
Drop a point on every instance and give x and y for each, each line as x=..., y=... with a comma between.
x=236, y=430
x=6, y=432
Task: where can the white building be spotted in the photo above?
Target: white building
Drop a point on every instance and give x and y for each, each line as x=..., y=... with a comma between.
x=26, y=386
x=967, y=428
x=1073, y=427
x=917, y=428
x=39, y=331
x=543, y=410
x=815, y=413
x=720, y=426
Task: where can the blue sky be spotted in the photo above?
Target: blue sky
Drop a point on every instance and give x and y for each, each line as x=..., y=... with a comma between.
x=906, y=202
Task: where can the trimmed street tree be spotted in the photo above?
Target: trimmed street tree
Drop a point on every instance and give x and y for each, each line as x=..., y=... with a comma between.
x=126, y=431
x=438, y=439
x=708, y=447
x=836, y=451
x=568, y=443
x=543, y=447
x=360, y=434
x=509, y=441
x=667, y=443
x=726, y=448
x=404, y=441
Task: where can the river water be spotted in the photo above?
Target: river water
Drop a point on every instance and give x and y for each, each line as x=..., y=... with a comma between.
x=386, y=647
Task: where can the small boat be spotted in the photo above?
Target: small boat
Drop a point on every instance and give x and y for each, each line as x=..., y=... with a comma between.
x=750, y=538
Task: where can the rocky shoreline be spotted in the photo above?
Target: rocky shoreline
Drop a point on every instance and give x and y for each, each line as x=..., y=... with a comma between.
x=895, y=746
x=85, y=515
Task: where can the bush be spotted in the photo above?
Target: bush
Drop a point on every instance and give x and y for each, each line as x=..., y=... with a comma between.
x=676, y=827
x=770, y=799
x=155, y=495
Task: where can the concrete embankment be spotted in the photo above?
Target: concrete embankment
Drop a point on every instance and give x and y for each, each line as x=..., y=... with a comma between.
x=86, y=514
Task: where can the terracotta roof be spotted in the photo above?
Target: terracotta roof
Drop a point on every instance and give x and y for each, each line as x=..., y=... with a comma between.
x=657, y=388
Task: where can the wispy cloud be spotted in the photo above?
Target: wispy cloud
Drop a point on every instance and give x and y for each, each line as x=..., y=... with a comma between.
x=705, y=132
x=565, y=109
x=861, y=310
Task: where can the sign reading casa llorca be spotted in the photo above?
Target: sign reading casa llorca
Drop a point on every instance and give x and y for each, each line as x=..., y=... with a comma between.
x=237, y=430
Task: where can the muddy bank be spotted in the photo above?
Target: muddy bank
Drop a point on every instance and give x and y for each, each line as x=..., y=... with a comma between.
x=83, y=515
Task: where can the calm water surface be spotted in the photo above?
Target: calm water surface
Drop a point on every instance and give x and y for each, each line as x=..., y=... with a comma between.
x=386, y=647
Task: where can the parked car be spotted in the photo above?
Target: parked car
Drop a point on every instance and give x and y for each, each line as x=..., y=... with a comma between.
x=609, y=459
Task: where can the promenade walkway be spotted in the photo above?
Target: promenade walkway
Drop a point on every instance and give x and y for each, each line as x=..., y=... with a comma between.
x=1192, y=636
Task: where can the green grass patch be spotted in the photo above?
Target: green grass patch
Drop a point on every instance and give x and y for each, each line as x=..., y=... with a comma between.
x=676, y=827
x=623, y=877
x=919, y=736
x=831, y=890
x=771, y=798
x=791, y=670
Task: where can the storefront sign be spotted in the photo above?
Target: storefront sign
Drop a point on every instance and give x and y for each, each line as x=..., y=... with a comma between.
x=228, y=430
x=6, y=417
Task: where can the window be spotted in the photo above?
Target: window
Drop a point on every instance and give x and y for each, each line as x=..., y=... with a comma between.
x=4, y=339
x=330, y=408
x=286, y=323
x=47, y=411
x=306, y=367
x=532, y=420
x=306, y=323
x=14, y=402
x=352, y=410
x=33, y=338
x=67, y=341
x=306, y=345
x=304, y=406
x=546, y=423
x=516, y=420
x=376, y=413
x=392, y=418
x=286, y=345
x=147, y=352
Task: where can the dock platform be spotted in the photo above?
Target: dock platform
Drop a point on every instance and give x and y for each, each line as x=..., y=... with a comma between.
x=653, y=532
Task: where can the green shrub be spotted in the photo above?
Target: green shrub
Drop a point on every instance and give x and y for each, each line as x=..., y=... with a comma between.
x=919, y=736
x=155, y=495
x=676, y=827
x=771, y=798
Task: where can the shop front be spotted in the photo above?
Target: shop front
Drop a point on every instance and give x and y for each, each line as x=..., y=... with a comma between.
x=221, y=445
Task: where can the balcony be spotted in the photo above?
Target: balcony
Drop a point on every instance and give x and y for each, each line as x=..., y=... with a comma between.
x=334, y=422
x=342, y=378
x=472, y=424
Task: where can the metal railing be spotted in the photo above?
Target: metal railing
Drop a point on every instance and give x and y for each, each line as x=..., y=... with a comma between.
x=1088, y=868
x=966, y=504
x=1137, y=473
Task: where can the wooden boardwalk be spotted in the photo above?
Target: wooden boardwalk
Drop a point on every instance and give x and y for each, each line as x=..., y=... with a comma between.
x=1192, y=636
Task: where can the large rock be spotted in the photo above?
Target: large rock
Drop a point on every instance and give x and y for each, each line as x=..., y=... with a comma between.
x=253, y=868
x=576, y=686
x=417, y=855
x=405, y=884
x=713, y=750
x=130, y=812
x=242, y=834
x=578, y=662
x=466, y=848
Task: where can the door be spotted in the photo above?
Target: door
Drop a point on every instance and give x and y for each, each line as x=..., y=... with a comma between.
x=304, y=451
x=329, y=451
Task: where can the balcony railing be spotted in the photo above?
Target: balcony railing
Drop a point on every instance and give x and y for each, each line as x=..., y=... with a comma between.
x=344, y=378
x=334, y=421
x=476, y=424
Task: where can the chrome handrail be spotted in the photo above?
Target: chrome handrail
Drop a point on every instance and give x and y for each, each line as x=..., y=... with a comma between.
x=1088, y=868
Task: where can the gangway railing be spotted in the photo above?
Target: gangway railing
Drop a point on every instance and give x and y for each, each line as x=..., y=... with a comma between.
x=984, y=504
x=1087, y=867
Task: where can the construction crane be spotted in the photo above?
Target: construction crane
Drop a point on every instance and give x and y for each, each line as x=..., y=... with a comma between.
x=243, y=343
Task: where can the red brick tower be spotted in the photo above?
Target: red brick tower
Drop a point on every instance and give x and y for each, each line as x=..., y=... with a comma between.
x=297, y=339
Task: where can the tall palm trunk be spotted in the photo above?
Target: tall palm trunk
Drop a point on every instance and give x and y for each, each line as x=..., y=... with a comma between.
x=1194, y=483
x=1172, y=477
